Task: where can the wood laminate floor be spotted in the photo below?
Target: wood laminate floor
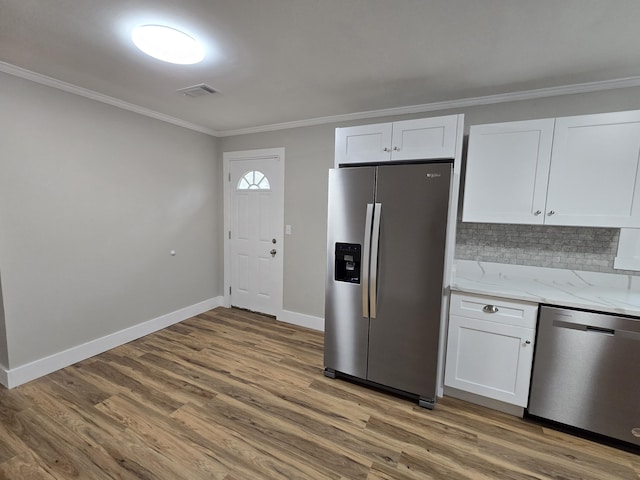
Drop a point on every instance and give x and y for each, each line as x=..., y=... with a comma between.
x=234, y=395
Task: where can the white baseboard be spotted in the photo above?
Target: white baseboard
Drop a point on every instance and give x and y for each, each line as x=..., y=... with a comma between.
x=4, y=378
x=302, y=320
x=17, y=376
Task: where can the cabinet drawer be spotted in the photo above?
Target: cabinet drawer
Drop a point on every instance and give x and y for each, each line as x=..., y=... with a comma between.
x=494, y=309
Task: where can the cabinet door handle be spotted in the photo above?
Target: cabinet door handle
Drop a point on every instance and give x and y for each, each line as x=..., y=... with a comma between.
x=551, y=212
x=537, y=212
x=397, y=149
x=386, y=149
x=527, y=342
x=490, y=309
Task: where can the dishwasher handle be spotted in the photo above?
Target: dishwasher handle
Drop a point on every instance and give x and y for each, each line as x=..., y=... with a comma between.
x=606, y=331
x=617, y=332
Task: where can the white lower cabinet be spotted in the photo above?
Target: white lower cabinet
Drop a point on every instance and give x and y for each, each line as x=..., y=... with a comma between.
x=490, y=347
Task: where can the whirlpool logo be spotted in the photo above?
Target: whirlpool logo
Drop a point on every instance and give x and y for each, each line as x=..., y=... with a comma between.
x=433, y=175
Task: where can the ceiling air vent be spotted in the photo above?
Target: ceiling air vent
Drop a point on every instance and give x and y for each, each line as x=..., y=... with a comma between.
x=197, y=90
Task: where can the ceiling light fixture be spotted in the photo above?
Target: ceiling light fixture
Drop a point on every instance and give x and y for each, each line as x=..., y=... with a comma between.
x=167, y=44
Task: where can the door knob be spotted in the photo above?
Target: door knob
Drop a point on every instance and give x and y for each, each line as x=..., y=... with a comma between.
x=273, y=252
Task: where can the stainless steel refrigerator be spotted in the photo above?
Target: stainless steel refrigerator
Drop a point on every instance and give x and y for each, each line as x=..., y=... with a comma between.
x=386, y=240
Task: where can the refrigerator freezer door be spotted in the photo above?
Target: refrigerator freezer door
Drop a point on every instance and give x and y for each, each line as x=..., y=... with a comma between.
x=346, y=334
x=403, y=338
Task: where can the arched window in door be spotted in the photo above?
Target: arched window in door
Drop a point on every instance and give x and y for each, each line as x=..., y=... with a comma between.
x=253, y=180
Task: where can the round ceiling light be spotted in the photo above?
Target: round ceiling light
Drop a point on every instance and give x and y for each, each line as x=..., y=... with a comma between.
x=167, y=44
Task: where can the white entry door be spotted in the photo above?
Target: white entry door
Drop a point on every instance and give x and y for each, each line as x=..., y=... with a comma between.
x=255, y=237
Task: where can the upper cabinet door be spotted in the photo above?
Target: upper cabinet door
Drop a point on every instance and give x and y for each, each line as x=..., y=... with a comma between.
x=507, y=171
x=595, y=174
x=424, y=138
x=363, y=144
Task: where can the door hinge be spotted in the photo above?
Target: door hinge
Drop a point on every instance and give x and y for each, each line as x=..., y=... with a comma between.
x=229, y=177
x=229, y=234
x=229, y=290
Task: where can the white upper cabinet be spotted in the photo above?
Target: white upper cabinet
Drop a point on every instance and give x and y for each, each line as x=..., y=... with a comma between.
x=582, y=171
x=594, y=177
x=425, y=138
x=363, y=144
x=421, y=139
x=507, y=170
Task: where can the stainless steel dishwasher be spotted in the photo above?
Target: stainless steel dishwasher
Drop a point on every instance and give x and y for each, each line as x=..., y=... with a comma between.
x=586, y=372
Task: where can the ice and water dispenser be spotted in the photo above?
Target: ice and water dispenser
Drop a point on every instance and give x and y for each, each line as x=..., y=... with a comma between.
x=347, y=262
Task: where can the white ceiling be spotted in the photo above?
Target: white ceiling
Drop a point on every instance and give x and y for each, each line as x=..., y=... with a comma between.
x=277, y=61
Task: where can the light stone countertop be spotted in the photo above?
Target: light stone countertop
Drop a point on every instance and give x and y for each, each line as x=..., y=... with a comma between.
x=605, y=292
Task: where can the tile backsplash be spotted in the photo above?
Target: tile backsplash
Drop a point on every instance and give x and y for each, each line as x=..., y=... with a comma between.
x=572, y=248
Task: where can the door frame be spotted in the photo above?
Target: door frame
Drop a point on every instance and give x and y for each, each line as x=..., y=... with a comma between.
x=238, y=156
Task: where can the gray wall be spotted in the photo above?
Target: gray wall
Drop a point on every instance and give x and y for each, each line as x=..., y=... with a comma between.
x=93, y=199
x=309, y=153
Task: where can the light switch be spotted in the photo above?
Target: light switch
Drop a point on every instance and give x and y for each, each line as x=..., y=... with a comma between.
x=287, y=229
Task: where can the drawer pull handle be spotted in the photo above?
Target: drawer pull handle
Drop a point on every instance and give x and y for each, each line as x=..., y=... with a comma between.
x=490, y=309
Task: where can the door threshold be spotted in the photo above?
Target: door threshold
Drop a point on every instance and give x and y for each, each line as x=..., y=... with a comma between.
x=254, y=311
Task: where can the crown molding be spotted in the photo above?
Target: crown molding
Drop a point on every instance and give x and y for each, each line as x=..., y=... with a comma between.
x=411, y=109
x=114, y=102
x=446, y=105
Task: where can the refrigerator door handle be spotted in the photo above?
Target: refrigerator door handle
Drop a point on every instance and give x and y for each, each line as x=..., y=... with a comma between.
x=365, y=260
x=375, y=240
